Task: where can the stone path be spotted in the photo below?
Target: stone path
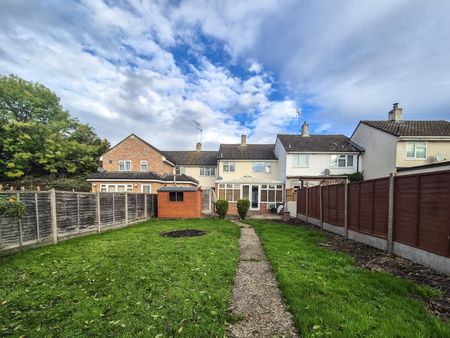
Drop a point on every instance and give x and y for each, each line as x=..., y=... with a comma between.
x=256, y=296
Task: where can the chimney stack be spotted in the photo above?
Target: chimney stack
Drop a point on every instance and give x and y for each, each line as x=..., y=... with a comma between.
x=243, y=140
x=396, y=113
x=198, y=146
x=305, y=129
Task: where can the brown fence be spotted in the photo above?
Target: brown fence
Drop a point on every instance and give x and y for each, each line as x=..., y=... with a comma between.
x=419, y=204
x=52, y=216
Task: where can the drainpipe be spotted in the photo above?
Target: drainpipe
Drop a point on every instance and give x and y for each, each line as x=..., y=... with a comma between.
x=357, y=162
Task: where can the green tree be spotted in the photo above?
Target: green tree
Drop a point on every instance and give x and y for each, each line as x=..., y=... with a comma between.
x=38, y=137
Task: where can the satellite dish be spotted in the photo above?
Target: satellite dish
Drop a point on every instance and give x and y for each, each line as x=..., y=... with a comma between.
x=439, y=157
x=327, y=172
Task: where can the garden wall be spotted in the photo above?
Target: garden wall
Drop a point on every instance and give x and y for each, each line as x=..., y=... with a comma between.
x=52, y=216
x=405, y=215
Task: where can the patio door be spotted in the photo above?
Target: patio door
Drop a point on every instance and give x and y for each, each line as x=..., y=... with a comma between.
x=251, y=192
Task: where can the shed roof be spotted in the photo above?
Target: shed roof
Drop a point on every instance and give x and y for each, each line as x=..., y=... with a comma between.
x=178, y=189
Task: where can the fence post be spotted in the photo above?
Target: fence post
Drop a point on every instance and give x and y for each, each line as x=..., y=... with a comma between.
x=126, y=208
x=390, y=214
x=321, y=205
x=145, y=207
x=53, y=216
x=307, y=203
x=78, y=212
x=98, y=212
x=36, y=205
x=346, y=209
x=19, y=221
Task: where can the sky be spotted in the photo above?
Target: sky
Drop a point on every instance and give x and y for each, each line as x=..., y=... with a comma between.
x=155, y=68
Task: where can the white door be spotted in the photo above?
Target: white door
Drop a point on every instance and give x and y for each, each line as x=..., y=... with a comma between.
x=251, y=192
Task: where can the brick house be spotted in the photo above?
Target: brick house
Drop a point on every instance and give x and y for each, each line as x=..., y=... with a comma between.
x=134, y=165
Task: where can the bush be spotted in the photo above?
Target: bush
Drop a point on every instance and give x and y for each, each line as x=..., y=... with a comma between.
x=356, y=177
x=222, y=208
x=11, y=207
x=242, y=207
x=68, y=184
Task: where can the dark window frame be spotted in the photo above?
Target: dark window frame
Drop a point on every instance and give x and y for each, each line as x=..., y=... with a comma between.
x=176, y=196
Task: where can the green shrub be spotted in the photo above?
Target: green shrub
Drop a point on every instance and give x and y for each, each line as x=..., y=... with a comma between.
x=356, y=177
x=11, y=207
x=222, y=208
x=68, y=184
x=242, y=207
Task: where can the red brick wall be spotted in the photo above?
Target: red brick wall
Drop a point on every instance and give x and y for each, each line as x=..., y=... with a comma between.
x=232, y=209
x=135, y=150
x=191, y=207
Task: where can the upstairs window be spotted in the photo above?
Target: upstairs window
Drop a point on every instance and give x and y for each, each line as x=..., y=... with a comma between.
x=124, y=165
x=144, y=166
x=176, y=196
x=262, y=167
x=416, y=150
x=342, y=161
x=208, y=171
x=300, y=161
x=228, y=167
x=179, y=170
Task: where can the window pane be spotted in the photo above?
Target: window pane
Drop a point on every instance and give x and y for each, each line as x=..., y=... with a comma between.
x=279, y=186
x=245, y=190
x=350, y=161
x=180, y=196
x=121, y=188
x=279, y=196
x=333, y=161
x=268, y=168
x=263, y=195
x=221, y=194
x=127, y=165
x=213, y=171
x=103, y=188
x=229, y=195
x=300, y=160
x=129, y=187
x=236, y=194
x=225, y=168
x=172, y=196
x=410, y=149
x=111, y=188
x=341, y=163
x=271, y=196
x=421, y=150
x=202, y=171
x=258, y=167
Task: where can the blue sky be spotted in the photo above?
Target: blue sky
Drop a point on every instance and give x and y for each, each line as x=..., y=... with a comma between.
x=153, y=67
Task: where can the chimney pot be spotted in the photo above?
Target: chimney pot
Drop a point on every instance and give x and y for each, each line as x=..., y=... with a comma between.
x=198, y=146
x=305, y=129
x=396, y=114
x=243, y=140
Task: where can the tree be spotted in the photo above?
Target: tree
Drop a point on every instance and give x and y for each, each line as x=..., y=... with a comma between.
x=38, y=137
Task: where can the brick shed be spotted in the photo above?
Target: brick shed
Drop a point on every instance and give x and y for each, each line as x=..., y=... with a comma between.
x=179, y=202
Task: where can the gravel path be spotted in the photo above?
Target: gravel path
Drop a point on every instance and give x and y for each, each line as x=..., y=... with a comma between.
x=255, y=296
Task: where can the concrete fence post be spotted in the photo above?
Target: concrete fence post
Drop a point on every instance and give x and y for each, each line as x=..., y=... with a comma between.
x=321, y=205
x=78, y=212
x=53, y=216
x=97, y=195
x=126, y=208
x=19, y=221
x=390, y=240
x=145, y=207
x=346, y=210
x=36, y=206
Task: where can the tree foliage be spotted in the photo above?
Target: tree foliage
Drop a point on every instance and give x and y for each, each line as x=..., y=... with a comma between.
x=39, y=137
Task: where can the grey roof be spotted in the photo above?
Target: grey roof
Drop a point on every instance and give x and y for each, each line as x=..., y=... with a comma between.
x=425, y=166
x=137, y=175
x=318, y=143
x=246, y=152
x=178, y=189
x=412, y=128
x=192, y=157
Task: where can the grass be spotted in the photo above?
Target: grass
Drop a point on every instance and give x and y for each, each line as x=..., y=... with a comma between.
x=128, y=282
x=329, y=296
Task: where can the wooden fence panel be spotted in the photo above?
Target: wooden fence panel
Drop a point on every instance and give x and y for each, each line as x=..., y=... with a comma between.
x=314, y=202
x=353, y=206
x=406, y=205
x=381, y=208
x=340, y=205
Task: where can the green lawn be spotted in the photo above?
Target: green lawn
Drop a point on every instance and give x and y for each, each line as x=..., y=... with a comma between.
x=328, y=295
x=128, y=282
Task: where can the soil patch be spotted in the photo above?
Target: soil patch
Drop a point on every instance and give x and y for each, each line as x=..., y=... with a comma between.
x=377, y=260
x=183, y=233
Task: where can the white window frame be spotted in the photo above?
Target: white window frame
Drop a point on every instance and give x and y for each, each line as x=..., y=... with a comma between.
x=267, y=167
x=124, y=162
x=299, y=165
x=414, y=143
x=180, y=170
x=208, y=171
x=341, y=157
x=232, y=187
x=227, y=166
x=127, y=187
x=143, y=162
x=146, y=185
